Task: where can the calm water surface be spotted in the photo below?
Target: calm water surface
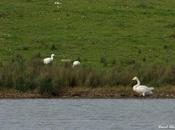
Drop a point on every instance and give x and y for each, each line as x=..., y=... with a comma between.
x=86, y=114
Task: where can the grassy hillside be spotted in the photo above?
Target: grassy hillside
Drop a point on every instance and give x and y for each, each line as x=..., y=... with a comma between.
x=124, y=31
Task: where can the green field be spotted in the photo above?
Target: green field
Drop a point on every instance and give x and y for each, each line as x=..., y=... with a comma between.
x=124, y=31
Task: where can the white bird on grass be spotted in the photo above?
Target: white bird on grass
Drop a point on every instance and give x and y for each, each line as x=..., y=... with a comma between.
x=142, y=89
x=57, y=3
x=48, y=60
x=76, y=63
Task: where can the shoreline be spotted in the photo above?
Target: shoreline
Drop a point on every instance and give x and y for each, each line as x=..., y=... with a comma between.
x=119, y=92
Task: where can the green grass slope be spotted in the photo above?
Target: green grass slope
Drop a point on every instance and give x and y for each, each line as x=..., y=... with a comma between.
x=121, y=30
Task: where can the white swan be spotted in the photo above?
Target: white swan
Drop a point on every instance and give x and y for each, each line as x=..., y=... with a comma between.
x=48, y=60
x=76, y=63
x=142, y=89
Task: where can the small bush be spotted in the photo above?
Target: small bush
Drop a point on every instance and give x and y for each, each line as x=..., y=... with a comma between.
x=165, y=47
x=24, y=48
x=53, y=47
x=144, y=59
x=113, y=61
x=103, y=60
x=140, y=51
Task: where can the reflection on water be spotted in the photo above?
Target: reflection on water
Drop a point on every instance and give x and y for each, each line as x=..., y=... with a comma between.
x=86, y=114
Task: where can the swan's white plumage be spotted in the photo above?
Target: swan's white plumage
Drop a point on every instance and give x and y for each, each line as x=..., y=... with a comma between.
x=48, y=60
x=76, y=63
x=142, y=89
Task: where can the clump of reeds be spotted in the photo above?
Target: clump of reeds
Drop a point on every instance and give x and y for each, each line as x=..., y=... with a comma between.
x=53, y=79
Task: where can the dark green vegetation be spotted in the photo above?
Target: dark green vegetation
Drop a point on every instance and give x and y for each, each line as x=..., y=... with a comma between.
x=54, y=80
x=114, y=39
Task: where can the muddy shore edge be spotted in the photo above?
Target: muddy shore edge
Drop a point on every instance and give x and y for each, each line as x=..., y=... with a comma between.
x=84, y=92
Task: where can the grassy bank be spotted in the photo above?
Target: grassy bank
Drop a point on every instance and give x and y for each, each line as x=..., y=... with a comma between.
x=58, y=80
x=115, y=40
x=108, y=31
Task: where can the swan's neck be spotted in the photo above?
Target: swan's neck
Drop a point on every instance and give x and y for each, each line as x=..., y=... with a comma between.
x=138, y=82
x=137, y=85
x=52, y=57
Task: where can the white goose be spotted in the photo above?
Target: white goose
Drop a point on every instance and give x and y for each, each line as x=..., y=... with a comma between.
x=142, y=89
x=48, y=59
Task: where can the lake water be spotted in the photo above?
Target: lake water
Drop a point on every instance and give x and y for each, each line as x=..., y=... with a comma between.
x=87, y=114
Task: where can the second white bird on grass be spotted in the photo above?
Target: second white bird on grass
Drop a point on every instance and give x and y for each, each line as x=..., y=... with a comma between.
x=48, y=60
x=142, y=89
x=76, y=63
